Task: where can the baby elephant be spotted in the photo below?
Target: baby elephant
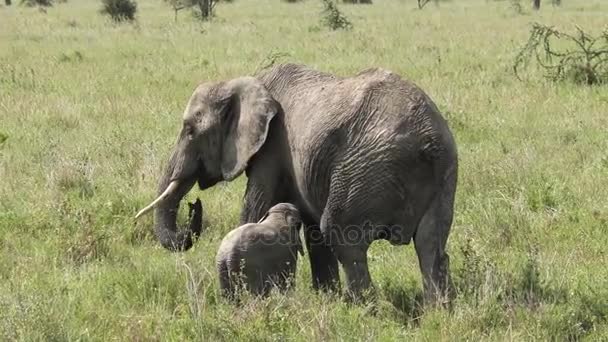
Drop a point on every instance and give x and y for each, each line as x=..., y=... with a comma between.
x=261, y=255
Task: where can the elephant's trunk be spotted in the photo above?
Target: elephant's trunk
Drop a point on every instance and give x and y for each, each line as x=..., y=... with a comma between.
x=165, y=216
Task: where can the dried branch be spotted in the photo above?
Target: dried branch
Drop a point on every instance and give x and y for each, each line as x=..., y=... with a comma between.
x=582, y=57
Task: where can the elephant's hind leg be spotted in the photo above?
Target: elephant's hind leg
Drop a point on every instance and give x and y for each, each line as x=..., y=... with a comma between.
x=430, y=243
x=227, y=285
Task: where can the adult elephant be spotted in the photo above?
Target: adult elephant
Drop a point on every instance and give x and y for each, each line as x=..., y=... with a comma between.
x=365, y=157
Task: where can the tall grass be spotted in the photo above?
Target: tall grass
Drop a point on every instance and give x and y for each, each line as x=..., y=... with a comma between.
x=89, y=110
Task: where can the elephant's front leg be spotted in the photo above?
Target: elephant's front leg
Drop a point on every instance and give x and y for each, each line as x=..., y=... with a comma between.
x=265, y=188
x=256, y=203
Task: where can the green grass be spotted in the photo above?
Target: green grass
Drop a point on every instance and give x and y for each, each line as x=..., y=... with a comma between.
x=89, y=110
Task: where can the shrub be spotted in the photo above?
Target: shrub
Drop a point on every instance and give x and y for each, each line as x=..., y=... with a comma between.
x=333, y=18
x=579, y=57
x=120, y=10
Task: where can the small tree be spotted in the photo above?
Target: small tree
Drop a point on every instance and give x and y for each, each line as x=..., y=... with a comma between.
x=119, y=10
x=333, y=18
x=578, y=57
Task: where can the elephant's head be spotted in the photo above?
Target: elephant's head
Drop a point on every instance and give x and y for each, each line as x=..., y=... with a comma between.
x=287, y=216
x=224, y=125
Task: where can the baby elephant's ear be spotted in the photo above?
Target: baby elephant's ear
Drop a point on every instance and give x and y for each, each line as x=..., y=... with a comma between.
x=292, y=220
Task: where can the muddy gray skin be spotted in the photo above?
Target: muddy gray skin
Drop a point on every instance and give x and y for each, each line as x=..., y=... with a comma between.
x=364, y=157
x=263, y=255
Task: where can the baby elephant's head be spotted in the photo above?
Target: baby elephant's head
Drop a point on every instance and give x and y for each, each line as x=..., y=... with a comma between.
x=287, y=211
x=289, y=217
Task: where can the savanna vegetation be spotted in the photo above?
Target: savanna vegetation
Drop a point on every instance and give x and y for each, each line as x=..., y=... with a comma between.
x=89, y=109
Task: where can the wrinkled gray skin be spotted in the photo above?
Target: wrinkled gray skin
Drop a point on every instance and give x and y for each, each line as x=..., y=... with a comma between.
x=261, y=255
x=368, y=154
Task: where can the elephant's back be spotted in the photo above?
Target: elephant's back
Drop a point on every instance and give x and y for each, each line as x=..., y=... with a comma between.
x=370, y=122
x=231, y=244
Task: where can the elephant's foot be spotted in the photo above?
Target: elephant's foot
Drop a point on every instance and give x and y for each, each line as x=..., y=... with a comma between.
x=438, y=287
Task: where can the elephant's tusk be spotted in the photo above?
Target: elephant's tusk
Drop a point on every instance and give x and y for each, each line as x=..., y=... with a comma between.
x=172, y=186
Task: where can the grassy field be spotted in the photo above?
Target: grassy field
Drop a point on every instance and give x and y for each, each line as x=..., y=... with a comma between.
x=90, y=109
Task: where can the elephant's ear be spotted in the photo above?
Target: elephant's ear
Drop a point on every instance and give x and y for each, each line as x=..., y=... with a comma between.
x=250, y=109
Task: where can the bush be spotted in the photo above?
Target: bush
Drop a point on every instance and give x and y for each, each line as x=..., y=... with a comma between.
x=333, y=18
x=120, y=10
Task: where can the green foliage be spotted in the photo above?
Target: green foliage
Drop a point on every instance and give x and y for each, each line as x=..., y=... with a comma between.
x=119, y=10
x=583, y=60
x=333, y=18
x=471, y=278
